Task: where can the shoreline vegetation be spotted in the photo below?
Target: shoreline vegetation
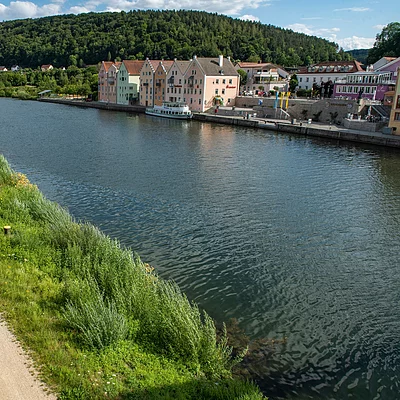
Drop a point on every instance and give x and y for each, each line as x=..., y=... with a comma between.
x=98, y=321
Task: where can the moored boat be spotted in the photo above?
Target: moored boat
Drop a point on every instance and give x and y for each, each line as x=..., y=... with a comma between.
x=174, y=110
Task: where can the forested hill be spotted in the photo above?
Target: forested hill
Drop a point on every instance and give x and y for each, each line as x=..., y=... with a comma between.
x=89, y=38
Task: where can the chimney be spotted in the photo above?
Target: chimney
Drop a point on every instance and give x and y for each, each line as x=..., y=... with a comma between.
x=221, y=61
x=229, y=58
x=194, y=57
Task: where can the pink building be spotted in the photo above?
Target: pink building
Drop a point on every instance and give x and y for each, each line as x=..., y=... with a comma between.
x=107, y=88
x=370, y=84
x=175, y=81
x=210, y=82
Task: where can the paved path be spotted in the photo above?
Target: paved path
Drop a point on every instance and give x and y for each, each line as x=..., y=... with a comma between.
x=17, y=381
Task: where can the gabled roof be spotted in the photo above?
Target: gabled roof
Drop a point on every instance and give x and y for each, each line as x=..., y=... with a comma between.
x=182, y=65
x=332, y=67
x=106, y=65
x=391, y=61
x=133, y=66
x=211, y=67
x=165, y=64
x=3, y=68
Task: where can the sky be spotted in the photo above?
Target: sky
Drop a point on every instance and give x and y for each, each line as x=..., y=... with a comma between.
x=352, y=24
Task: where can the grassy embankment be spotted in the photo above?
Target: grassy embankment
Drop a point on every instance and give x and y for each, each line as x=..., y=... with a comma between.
x=98, y=321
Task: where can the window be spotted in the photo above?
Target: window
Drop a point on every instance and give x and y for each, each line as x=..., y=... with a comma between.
x=397, y=116
x=200, y=101
x=307, y=79
x=314, y=79
x=223, y=91
x=216, y=91
x=398, y=102
x=301, y=80
x=230, y=81
x=217, y=81
x=223, y=81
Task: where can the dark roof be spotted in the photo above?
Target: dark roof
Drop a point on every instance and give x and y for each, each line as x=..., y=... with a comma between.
x=331, y=67
x=211, y=67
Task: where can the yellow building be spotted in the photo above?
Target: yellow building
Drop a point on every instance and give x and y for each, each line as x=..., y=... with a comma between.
x=394, y=121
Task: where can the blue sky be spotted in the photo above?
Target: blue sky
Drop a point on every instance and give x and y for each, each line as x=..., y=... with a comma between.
x=353, y=24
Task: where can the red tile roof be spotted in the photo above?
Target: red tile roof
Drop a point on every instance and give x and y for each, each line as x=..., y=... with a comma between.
x=133, y=66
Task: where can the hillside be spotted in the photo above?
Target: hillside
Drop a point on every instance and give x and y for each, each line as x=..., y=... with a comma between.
x=360, y=55
x=89, y=38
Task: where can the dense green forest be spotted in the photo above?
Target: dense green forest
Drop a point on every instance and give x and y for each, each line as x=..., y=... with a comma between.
x=27, y=85
x=360, y=55
x=387, y=43
x=86, y=39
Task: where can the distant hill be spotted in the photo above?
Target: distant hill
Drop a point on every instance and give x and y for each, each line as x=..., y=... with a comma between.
x=359, y=55
x=89, y=38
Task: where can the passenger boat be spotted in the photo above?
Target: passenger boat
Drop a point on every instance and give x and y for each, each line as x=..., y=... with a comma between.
x=175, y=110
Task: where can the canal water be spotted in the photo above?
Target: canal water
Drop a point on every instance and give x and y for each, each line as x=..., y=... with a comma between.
x=298, y=239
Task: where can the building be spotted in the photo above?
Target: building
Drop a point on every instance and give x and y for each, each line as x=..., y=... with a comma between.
x=160, y=80
x=3, y=68
x=175, y=81
x=263, y=77
x=373, y=84
x=210, y=82
x=128, y=82
x=394, y=121
x=329, y=71
x=107, y=81
x=46, y=67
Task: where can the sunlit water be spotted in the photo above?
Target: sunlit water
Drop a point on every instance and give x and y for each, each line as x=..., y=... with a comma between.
x=294, y=237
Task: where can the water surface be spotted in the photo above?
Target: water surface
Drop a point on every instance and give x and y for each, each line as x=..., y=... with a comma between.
x=294, y=237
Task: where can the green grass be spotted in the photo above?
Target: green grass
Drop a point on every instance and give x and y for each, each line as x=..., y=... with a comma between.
x=98, y=321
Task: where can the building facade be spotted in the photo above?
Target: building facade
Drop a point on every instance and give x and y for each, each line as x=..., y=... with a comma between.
x=160, y=79
x=394, y=121
x=373, y=84
x=176, y=81
x=107, y=82
x=263, y=77
x=128, y=82
x=321, y=73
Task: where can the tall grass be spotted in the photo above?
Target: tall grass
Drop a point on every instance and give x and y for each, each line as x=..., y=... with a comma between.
x=108, y=293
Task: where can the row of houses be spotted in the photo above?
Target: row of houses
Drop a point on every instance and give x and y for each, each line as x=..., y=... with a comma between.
x=200, y=82
x=349, y=80
x=394, y=121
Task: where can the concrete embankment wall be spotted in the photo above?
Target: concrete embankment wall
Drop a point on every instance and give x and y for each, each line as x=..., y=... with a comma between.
x=98, y=105
x=305, y=129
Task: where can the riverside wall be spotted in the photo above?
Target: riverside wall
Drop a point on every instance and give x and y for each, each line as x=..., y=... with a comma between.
x=323, y=131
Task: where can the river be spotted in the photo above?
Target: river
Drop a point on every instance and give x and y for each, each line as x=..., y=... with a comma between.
x=295, y=237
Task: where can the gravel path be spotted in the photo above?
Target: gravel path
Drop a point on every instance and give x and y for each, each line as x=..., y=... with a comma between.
x=17, y=378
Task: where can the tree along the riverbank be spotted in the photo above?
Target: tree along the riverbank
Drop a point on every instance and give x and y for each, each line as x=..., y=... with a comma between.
x=98, y=320
x=86, y=39
x=27, y=83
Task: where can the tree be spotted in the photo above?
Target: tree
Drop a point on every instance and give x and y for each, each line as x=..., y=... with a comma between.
x=243, y=77
x=293, y=83
x=387, y=43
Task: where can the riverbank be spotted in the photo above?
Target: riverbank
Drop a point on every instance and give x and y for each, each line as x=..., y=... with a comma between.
x=98, y=321
x=313, y=129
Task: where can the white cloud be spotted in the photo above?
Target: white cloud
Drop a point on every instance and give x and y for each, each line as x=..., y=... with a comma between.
x=379, y=27
x=310, y=30
x=355, y=42
x=353, y=9
x=78, y=10
x=27, y=9
x=227, y=7
x=249, y=18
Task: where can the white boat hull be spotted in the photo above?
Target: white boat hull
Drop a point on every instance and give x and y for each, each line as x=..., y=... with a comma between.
x=170, y=110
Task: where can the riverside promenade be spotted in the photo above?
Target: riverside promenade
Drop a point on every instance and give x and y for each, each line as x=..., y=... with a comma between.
x=314, y=129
